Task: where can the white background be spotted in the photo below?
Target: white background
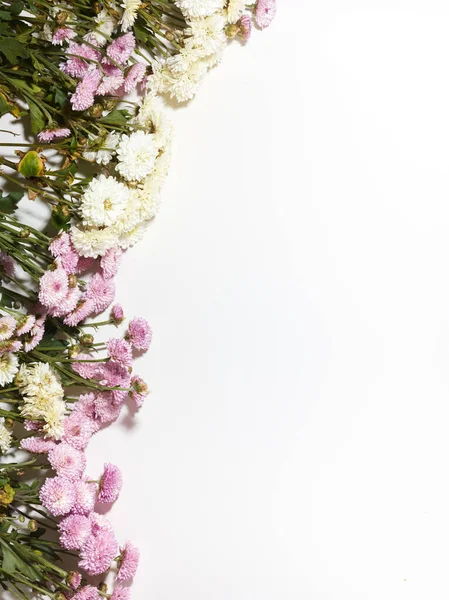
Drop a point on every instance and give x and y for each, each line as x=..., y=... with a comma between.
x=295, y=445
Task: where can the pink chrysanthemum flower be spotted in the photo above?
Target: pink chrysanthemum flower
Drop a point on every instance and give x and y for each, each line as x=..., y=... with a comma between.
x=100, y=523
x=32, y=425
x=85, y=405
x=75, y=530
x=61, y=244
x=101, y=291
x=7, y=327
x=135, y=74
x=24, y=324
x=139, y=390
x=87, y=593
x=37, y=445
x=110, y=484
x=121, y=593
x=74, y=579
x=53, y=287
x=67, y=461
x=110, y=262
x=7, y=264
x=245, y=27
x=61, y=35
x=84, y=309
x=58, y=495
x=98, y=553
x=85, y=494
x=10, y=346
x=117, y=314
x=86, y=370
x=120, y=351
x=114, y=374
x=85, y=263
x=265, y=12
x=69, y=261
x=75, y=66
x=78, y=429
x=139, y=333
x=109, y=85
x=35, y=335
x=58, y=133
x=67, y=304
x=106, y=410
x=128, y=562
x=121, y=48
x=83, y=97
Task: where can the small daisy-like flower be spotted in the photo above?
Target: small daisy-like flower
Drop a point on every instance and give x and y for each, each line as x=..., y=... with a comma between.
x=58, y=133
x=139, y=333
x=74, y=579
x=121, y=593
x=110, y=262
x=104, y=29
x=89, y=592
x=83, y=309
x=98, y=552
x=37, y=445
x=9, y=365
x=24, y=324
x=136, y=155
x=265, y=12
x=35, y=335
x=58, y=495
x=128, y=562
x=84, y=497
x=130, y=13
x=67, y=461
x=103, y=201
x=245, y=27
x=120, y=350
x=117, y=314
x=110, y=484
x=139, y=390
x=101, y=291
x=7, y=327
x=78, y=429
x=5, y=436
x=104, y=155
x=83, y=97
x=61, y=35
x=106, y=409
x=75, y=530
x=53, y=287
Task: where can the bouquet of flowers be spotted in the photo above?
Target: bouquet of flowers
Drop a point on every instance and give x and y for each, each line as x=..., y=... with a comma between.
x=87, y=80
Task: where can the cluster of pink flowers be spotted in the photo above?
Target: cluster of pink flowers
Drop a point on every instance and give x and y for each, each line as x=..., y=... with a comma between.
x=105, y=72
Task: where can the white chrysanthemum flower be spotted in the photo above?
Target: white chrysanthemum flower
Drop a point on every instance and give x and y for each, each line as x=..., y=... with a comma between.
x=9, y=365
x=105, y=27
x=42, y=382
x=54, y=420
x=103, y=201
x=132, y=236
x=129, y=13
x=207, y=34
x=199, y=8
x=152, y=114
x=5, y=436
x=136, y=154
x=92, y=242
x=180, y=76
x=234, y=10
x=106, y=152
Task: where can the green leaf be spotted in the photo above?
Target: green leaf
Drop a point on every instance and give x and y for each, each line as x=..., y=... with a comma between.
x=9, y=562
x=50, y=342
x=16, y=8
x=8, y=204
x=12, y=49
x=60, y=97
x=5, y=16
x=37, y=118
x=59, y=220
x=116, y=117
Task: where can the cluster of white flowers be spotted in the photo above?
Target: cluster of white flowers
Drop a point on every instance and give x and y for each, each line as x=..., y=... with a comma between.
x=116, y=209
x=205, y=38
x=43, y=397
x=9, y=365
x=5, y=437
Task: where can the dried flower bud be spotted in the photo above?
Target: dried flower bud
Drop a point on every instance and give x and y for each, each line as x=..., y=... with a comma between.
x=24, y=233
x=87, y=339
x=60, y=596
x=97, y=7
x=73, y=579
x=74, y=351
x=21, y=519
x=103, y=588
x=109, y=103
x=73, y=281
x=96, y=111
x=32, y=525
x=170, y=36
x=61, y=17
x=232, y=30
x=9, y=423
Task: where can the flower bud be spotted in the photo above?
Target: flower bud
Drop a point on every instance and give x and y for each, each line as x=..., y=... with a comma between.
x=73, y=579
x=24, y=233
x=87, y=339
x=103, y=588
x=9, y=423
x=232, y=30
x=21, y=519
x=32, y=525
x=74, y=351
x=73, y=281
x=60, y=596
x=96, y=111
x=109, y=103
x=61, y=17
x=97, y=7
